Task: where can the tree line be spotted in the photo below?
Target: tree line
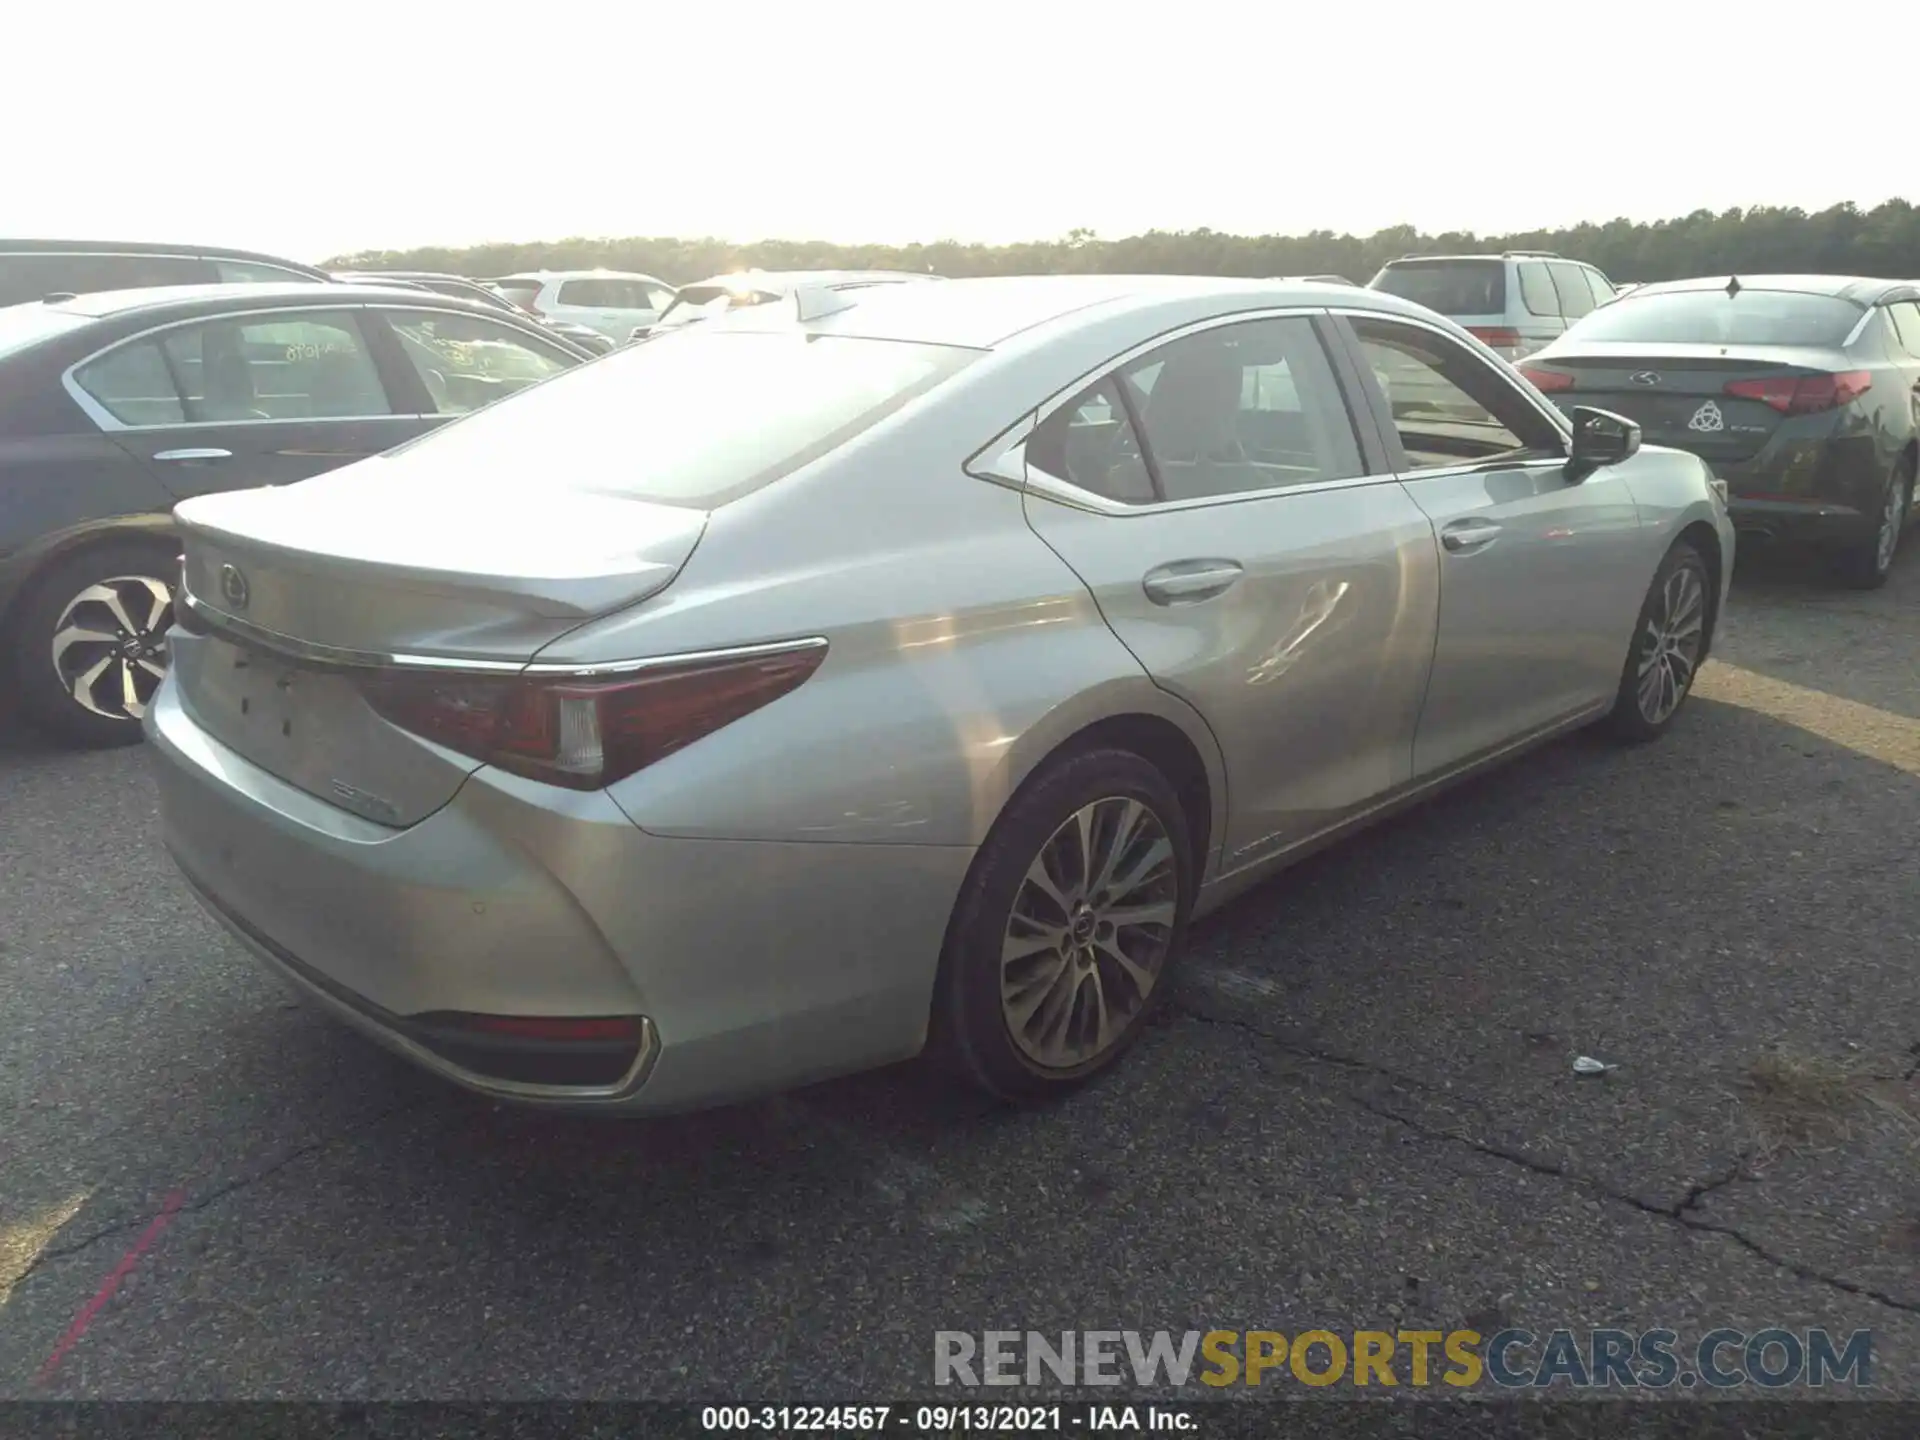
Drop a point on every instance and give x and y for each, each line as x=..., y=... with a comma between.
x=1840, y=240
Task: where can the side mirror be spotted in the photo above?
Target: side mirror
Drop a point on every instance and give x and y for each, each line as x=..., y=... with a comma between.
x=1600, y=438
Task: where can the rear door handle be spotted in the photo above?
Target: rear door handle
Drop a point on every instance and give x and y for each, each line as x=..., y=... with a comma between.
x=1469, y=535
x=1186, y=581
x=194, y=455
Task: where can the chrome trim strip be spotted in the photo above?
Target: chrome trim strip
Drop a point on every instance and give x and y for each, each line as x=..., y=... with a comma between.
x=1039, y=482
x=670, y=662
x=371, y=1026
x=341, y=657
x=354, y=299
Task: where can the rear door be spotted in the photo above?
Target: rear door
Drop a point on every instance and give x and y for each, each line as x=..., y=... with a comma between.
x=1538, y=317
x=1214, y=497
x=265, y=398
x=1540, y=579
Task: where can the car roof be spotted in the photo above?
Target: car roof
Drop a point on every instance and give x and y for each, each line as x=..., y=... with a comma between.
x=165, y=301
x=986, y=312
x=782, y=279
x=545, y=275
x=1859, y=289
x=143, y=247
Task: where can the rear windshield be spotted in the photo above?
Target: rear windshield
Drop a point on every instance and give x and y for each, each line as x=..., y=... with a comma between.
x=1453, y=287
x=24, y=325
x=1712, y=317
x=697, y=417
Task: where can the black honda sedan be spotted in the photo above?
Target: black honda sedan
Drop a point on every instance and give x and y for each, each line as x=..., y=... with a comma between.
x=1802, y=392
x=115, y=406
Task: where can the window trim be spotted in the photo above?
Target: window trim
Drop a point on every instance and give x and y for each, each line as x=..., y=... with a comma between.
x=99, y=415
x=1002, y=460
x=1382, y=419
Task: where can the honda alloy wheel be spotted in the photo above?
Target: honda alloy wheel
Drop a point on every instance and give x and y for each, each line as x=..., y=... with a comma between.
x=109, y=645
x=89, y=640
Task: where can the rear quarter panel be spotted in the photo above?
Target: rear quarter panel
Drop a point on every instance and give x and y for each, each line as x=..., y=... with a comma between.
x=1673, y=492
x=962, y=652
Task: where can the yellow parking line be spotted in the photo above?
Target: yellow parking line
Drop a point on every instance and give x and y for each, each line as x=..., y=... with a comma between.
x=1881, y=735
x=20, y=1245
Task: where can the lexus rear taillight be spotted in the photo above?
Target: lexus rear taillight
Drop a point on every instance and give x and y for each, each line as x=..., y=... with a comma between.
x=1497, y=337
x=1547, y=380
x=1804, y=394
x=585, y=734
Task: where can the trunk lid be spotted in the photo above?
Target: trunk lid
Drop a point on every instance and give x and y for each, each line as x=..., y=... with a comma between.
x=297, y=591
x=1678, y=394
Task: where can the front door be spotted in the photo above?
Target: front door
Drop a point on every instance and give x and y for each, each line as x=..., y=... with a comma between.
x=1540, y=578
x=1213, y=497
x=262, y=399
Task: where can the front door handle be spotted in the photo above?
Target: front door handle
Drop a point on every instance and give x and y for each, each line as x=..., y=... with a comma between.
x=180, y=455
x=1465, y=535
x=1185, y=582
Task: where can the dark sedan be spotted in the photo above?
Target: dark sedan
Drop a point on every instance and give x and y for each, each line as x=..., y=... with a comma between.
x=1802, y=392
x=114, y=406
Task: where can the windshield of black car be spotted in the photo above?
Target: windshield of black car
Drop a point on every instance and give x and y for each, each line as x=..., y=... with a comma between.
x=1453, y=287
x=1713, y=317
x=696, y=417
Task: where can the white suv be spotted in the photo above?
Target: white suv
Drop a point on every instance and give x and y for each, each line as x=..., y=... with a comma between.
x=613, y=302
x=1515, y=303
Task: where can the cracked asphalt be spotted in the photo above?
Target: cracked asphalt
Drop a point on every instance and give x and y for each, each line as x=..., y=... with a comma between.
x=1359, y=1111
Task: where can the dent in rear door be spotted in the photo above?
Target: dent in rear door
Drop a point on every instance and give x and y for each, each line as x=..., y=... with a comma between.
x=1298, y=619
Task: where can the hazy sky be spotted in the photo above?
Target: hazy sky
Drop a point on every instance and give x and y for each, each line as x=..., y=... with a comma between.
x=311, y=130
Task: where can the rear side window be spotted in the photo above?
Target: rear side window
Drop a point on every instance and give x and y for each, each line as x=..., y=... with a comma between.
x=1536, y=289
x=1576, y=296
x=1601, y=286
x=615, y=294
x=34, y=277
x=1903, y=319
x=293, y=367
x=667, y=421
x=133, y=385
x=521, y=292
x=236, y=272
x=1453, y=287
x=1712, y=317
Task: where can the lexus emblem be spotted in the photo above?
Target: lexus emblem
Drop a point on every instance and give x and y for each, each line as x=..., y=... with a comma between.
x=233, y=587
x=1644, y=377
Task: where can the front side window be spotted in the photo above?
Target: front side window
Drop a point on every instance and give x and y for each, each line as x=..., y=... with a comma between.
x=467, y=362
x=1228, y=411
x=287, y=367
x=698, y=417
x=25, y=278
x=133, y=385
x=1449, y=406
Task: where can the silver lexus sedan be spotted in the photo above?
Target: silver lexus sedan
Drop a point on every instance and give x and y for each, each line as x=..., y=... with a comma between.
x=891, y=670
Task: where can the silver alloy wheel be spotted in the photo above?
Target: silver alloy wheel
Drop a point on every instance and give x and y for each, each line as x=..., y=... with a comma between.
x=1089, y=933
x=110, y=644
x=1891, y=520
x=1670, y=645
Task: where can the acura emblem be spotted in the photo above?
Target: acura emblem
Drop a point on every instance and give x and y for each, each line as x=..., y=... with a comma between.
x=233, y=587
x=1644, y=377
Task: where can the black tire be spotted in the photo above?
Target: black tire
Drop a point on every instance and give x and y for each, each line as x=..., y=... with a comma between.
x=972, y=1033
x=1631, y=721
x=1864, y=565
x=46, y=699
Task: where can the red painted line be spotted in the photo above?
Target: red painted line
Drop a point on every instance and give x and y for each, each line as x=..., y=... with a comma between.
x=91, y=1310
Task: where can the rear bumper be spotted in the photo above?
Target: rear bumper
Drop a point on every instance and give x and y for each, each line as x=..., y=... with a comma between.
x=756, y=966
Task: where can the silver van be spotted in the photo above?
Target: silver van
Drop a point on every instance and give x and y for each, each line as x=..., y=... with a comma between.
x=1515, y=302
